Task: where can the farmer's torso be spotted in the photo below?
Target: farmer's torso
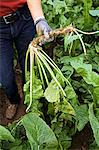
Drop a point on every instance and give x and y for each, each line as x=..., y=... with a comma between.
x=9, y=6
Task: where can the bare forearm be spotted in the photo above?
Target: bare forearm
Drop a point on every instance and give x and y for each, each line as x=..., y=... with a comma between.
x=35, y=8
x=41, y=24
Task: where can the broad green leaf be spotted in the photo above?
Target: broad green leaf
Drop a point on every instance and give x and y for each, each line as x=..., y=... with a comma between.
x=87, y=18
x=5, y=134
x=63, y=20
x=66, y=108
x=19, y=144
x=17, y=148
x=97, y=113
x=92, y=78
x=65, y=140
x=38, y=132
x=16, y=145
x=58, y=5
x=95, y=93
x=65, y=60
x=85, y=70
x=26, y=86
x=77, y=62
x=68, y=39
x=81, y=116
x=67, y=70
x=37, y=90
x=94, y=123
x=70, y=92
x=52, y=93
x=94, y=13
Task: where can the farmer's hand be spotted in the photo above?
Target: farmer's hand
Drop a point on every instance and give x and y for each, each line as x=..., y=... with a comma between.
x=42, y=27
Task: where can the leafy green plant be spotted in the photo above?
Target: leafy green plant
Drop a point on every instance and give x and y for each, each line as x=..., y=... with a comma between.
x=38, y=132
x=57, y=92
x=94, y=123
x=5, y=134
x=62, y=94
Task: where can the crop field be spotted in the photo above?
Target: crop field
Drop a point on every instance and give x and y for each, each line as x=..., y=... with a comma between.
x=61, y=93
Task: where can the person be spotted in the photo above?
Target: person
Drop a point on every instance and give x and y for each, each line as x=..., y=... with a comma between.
x=18, y=21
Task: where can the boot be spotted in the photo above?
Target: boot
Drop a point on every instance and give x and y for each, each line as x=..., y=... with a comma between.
x=11, y=111
x=13, y=106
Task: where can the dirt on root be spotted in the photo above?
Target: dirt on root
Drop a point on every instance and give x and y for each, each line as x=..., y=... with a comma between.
x=4, y=102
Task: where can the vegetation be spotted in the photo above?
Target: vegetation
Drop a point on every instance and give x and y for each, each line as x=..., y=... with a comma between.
x=62, y=95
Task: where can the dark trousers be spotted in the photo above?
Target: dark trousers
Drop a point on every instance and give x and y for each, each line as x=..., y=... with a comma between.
x=20, y=32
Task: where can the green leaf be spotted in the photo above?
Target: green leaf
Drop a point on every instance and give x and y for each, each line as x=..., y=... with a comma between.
x=65, y=60
x=81, y=116
x=5, y=134
x=63, y=20
x=97, y=48
x=70, y=92
x=95, y=93
x=85, y=70
x=68, y=39
x=94, y=13
x=20, y=145
x=93, y=146
x=65, y=140
x=38, y=132
x=66, y=108
x=87, y=17
x=67, y=70
x=97, y=113
x=37, y=90
x=52, y=93
x=16, y=145
x=92, y=78
x=94, y=123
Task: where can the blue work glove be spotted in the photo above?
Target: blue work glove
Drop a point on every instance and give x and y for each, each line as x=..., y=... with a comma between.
x=42, y=27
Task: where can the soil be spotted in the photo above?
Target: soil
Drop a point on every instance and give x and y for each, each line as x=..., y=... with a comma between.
x=81, y=139
x=4, y=102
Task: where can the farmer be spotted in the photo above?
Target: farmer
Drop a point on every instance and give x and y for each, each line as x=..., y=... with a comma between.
x=18, y=19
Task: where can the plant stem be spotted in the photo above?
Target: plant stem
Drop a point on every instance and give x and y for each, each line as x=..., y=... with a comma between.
x=81, y=41
x=88, y=33
x=51, y=62
x=26, y=62
x=45, y=75
x=50, y=71
x=31, y=77
x=40, y=71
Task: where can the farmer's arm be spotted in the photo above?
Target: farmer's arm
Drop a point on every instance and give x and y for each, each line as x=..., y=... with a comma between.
x=35, y=8
x=37, y=14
